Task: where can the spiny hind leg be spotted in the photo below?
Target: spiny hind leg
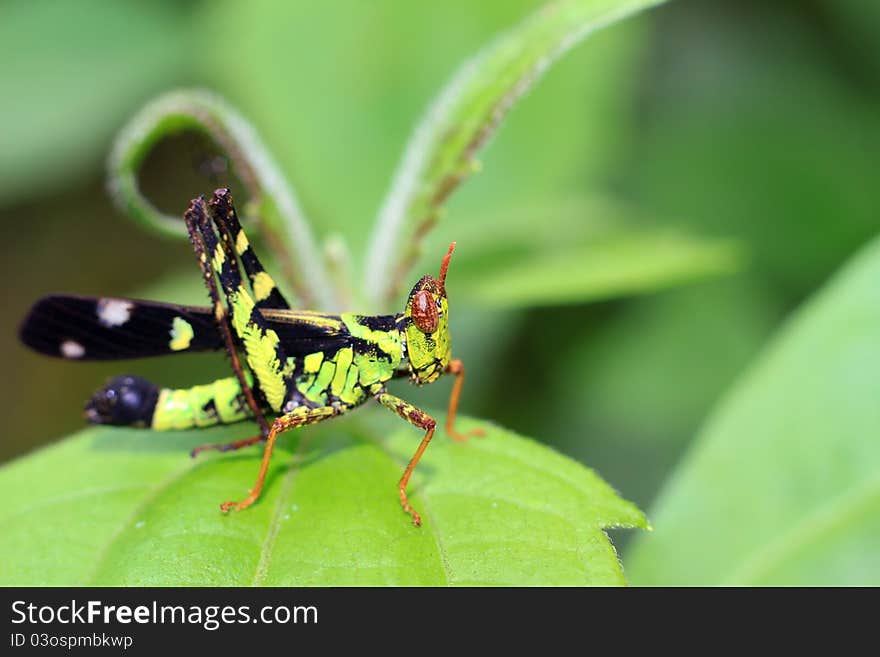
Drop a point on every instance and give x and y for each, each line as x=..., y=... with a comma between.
x=265, y=354
x=297, y=418
x=222, y=210
x=196, y=223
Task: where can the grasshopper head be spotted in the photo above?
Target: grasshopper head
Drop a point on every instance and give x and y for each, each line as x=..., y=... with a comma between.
x=427, y=326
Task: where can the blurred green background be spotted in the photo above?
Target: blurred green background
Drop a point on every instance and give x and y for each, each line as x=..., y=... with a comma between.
x=736, y=119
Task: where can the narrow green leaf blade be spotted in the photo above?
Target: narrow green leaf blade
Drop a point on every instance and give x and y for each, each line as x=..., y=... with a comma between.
x=442, y=151
x=621, y=264
x=783, y=485
x=271, y=199
x=114, y=506
x=586, y=248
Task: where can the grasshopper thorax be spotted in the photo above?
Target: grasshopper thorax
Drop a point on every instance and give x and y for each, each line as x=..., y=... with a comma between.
x=427, y=326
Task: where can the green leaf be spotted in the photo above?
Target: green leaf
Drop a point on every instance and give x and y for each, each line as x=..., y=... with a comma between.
x=271, y=198
x=116, y=506
x=783, y=485
x=622, y=263
x=442, y=151
x=587, y=248
x=346, y=119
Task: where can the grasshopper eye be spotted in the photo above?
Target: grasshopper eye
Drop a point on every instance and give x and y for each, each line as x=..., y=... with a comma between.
x=424, y=312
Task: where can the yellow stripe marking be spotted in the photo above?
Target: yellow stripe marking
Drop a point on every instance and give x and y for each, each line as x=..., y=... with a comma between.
x=312, y=362
x=260, y=348
x=343, y=362
x=241, y=242
x=316, y=391
x=263, y=286
x=181, y=334
x=350, y=394
x=219, y=258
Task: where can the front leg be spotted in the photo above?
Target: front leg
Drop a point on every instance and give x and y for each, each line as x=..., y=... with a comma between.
x=423, y=421
x=456, y=367
x=299, y=417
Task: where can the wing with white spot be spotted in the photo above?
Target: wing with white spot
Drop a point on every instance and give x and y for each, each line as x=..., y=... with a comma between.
x=105, y=328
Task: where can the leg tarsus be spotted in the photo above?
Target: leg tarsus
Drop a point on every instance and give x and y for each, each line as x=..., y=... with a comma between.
x=417, y=519
x=467, y=435
x=239, y=506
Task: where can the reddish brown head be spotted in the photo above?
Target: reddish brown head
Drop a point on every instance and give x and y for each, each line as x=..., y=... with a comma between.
x=427, y=332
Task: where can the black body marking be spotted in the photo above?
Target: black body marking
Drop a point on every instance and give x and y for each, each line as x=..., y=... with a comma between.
x=210, y=408
x=125, y=400
x=384, y=323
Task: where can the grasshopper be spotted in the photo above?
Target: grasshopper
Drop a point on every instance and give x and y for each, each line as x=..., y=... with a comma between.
x=300, y=366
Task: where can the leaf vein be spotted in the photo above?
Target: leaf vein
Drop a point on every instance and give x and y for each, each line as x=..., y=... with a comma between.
x=274, y=527
x=71, y=497
x=435, y=531
x=129, y=521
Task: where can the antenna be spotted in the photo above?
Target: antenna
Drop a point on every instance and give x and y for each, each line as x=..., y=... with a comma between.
x=445, y=264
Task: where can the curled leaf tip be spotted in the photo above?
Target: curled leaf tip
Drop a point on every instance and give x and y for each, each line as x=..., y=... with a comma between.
x=270, y=199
